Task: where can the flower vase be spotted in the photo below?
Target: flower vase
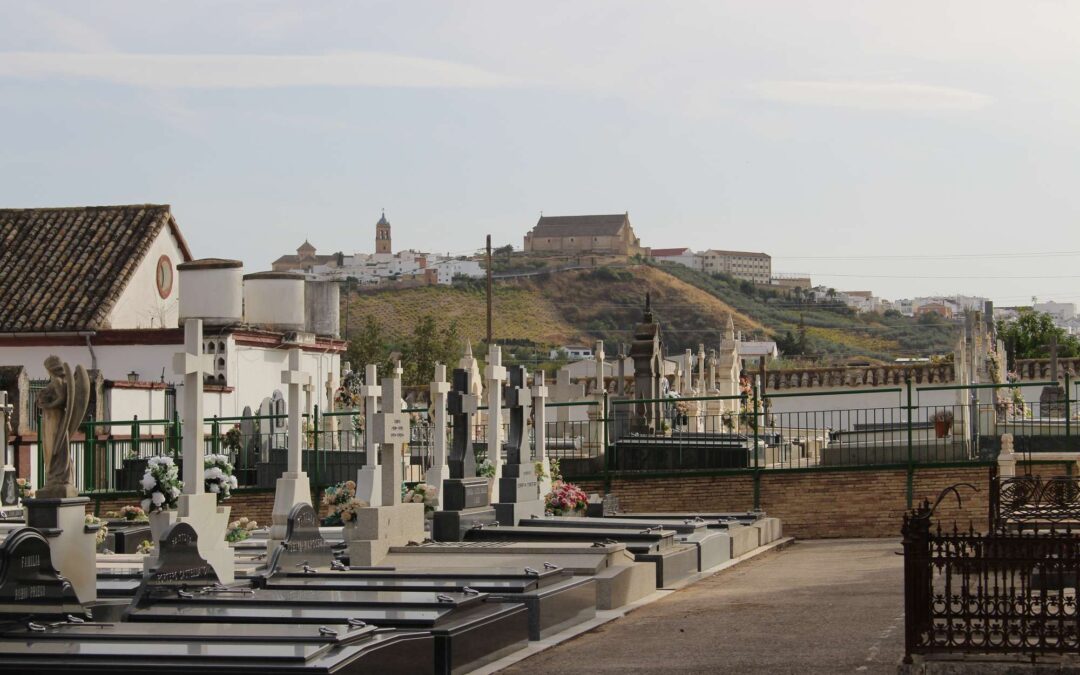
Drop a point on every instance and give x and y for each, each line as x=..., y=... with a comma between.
x=571, y=513
x=161, y=521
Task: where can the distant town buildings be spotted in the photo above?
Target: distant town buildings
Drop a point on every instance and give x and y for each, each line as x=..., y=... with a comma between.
x=383, y=266
x=742, y=265
x=573, y=235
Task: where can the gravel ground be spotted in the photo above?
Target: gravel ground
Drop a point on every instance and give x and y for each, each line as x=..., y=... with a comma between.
x=825, y=606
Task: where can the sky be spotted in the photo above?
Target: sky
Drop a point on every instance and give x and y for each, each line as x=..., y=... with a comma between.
x=907, y=148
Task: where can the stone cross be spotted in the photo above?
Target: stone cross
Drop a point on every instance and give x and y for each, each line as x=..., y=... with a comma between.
x=309, y=389
x=701, y=369
x=368, y=479
x=519, y=400
x=712, y=370
x=688, y=373
x=565, y=391
x=599, y=355
x=495, y=374
x=539, y=453
x=330, y=421
x=296, y=379
x=392, y=434
x=439, y=470
x=620, y=386
x=461, y=404
x=192, y=363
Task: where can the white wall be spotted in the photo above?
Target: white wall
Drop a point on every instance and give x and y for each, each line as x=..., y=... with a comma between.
x=140, y=305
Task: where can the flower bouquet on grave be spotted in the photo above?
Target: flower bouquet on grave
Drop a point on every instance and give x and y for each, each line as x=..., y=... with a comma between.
x=218, y=476
x=565, y=499
x=25, y=490
x=145, y=547
x=160, y=485
x=103, y=529
x=336, y=496
x=422, y=493
x=132, y=514
x=240, y=529
x=347, y=511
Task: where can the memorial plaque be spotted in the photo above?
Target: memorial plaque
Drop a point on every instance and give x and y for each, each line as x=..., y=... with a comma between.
x=179, y=560
x=29, y=584
x=467, y=493
x=303, y=545
x=392, y=428
x=9, y=491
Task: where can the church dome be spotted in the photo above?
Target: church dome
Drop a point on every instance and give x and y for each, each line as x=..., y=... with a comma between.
x=383, y=220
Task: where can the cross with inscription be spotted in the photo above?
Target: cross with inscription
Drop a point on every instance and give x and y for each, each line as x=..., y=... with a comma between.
x=296, y=379
x=462, y=404
x=368, y=478
x=192, y=363
x=391, y=433
x=518, y=400
x=539, y=394
x=495, y=374
x=439, y=470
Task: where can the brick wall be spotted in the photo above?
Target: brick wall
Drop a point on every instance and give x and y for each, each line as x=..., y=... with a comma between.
x=257, y=504
x=814, y=504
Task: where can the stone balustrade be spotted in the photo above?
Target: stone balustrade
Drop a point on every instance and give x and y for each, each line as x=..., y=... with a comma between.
x=859, y=376
x=1034, y=370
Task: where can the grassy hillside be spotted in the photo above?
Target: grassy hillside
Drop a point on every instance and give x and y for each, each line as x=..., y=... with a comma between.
x=582, y=306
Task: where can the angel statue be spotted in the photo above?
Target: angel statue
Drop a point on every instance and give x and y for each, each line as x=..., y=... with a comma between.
x=63, y=404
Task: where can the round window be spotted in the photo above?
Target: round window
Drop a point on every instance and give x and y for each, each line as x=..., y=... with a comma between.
x=164, y=276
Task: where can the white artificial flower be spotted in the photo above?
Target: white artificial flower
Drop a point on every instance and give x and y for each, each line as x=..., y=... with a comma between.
x=232, y=481
x=154, y=461
x=157, y=498
x=145, y=505
x=167, y=461
x=174, y=492
x=213, y=473
x=215, y=488
x=148, y=481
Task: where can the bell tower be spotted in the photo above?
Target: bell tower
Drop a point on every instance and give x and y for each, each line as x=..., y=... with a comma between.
x=382, y=235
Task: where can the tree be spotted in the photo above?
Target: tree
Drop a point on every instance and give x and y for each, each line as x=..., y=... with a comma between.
x=428, y=346
x=1029, y=336
x=368, y=346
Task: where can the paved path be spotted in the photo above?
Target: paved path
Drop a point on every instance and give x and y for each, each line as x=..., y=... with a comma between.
x=826, y=606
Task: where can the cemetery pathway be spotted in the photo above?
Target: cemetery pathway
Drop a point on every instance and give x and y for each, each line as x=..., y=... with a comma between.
x=824, y=606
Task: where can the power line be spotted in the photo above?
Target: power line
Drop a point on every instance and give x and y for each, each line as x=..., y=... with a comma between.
x=947, y=256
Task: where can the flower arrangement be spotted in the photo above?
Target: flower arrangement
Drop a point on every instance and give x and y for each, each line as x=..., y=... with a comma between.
x=565, y=498
x=422, y=493
x=25, y=490
x=337, y=497
x=145, y=547
x=233, y=438
x=218, y=476
x=133, y=513
x=160, y=485
x=240, y=529
x=728, y=420
x=486, y=469
x=103, y=529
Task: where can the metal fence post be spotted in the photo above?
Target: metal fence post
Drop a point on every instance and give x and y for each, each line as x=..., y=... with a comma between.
x=607, y=454
x=910, y=449
x=135, y=434
x=89, y=465
x=215, y=437
x=1068, y=411
x=757, y=433
x=40, y=455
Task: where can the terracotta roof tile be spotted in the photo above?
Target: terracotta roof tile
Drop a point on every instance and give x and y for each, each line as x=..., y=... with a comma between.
x=63, y=269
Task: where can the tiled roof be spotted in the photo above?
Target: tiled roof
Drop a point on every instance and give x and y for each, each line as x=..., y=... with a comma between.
x=580, y=226
x=315, y=259
x=668, y=252
x=63, y=269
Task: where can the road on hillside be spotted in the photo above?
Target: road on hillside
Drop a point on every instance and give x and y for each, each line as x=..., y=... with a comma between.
x=825, y=606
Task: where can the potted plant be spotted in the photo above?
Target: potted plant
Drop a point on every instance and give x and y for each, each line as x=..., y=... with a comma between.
x=566, y=499
x=218, y=476
x=160, y=488
x=943, y=420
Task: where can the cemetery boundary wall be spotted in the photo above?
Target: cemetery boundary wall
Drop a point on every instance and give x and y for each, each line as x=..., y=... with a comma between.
x=821, y=503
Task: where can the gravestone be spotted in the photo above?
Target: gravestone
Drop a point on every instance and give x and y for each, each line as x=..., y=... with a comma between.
x=648, y=371
x=519, y=489
x=540, y=394
x=1052, y=398
x=266, y=430
x=369, y=478
x=29, y=583
x=439, y=470
x=465, y=496
x=293, y=487
x=303, y=545
x=249, y=438
x=391, y=523
x=195, y=506
x=494, y=375
x=179, y=562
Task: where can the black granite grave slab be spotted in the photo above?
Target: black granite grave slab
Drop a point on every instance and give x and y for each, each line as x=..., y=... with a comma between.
x=29, y=584
x=303, y=546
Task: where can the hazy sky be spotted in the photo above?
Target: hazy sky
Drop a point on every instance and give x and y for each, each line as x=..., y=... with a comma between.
x=906, y=148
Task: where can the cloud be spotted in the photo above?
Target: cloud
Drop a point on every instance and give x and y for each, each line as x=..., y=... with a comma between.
x=871, y=95
x=248, y=71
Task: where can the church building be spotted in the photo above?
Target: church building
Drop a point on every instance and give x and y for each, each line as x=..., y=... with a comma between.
x=575, y=235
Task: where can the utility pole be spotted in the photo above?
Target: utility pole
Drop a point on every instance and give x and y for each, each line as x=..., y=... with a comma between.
x=489, y=335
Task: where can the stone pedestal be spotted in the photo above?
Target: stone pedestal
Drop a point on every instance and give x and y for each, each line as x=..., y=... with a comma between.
x=519, y=495
x=290, y=490
x=209, y=521
x=1052, y=402
x=73, y=547
x=465, y=502
x=377, y=528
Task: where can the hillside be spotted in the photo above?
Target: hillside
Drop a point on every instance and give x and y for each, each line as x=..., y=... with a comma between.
x=585, y=305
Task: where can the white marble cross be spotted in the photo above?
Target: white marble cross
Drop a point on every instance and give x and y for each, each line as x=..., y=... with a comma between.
x=565, y=391
x=701, y=369
x=540, y=394
x=599, y=355
x=688, y=373
x=392, y=434
x=192, y=363
x=495, y=374
x=439, y=470
x=296, y=379
x=368, y=479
